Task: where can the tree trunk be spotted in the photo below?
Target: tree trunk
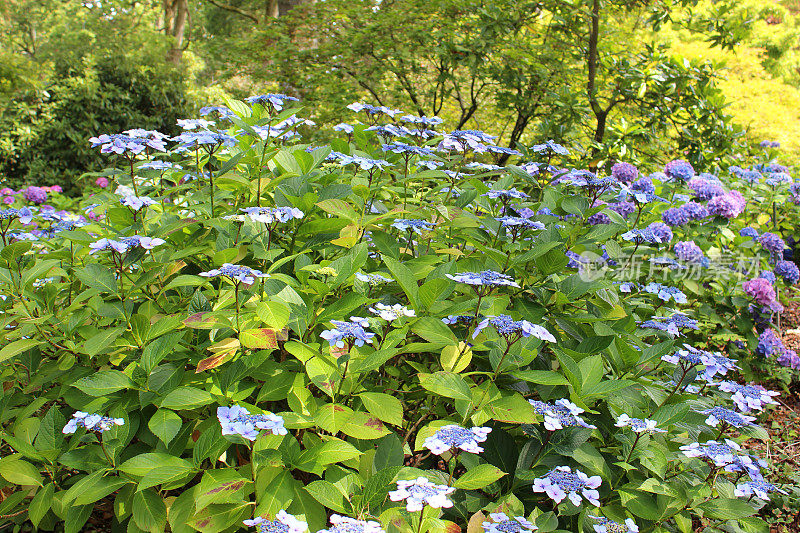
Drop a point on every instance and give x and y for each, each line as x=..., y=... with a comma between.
x=176, y=17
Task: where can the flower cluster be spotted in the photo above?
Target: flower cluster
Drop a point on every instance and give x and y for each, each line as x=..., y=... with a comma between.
x=562, y=482
x=748, y=397
x=269, y=215
x=455, y=436
x=348, y=332
x=237, y=420
x=91, y=422
x=721, y=415
x=417, y=493
x=561, y=414
x=391, y=312
x=488, y=278
x=514, y=329
x=638, y=425
x=237, y=273
x=283, y=523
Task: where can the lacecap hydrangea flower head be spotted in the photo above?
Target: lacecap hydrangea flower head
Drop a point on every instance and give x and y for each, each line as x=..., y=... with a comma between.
x=236, y=420
x=559, y=415
x=455, y=436
x=283, y=523
x=501, y=523
x=417, y=493
x=91, y=422
x=604, y=525
x=562, y=482
x=345, y=524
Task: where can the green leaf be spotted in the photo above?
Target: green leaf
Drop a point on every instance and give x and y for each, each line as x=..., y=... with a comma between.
x=405, y=278
x=93, y=487
x=259, y=338
x=165, y=424
x=332, y=417
x=149, y=511
x=541, y=377
x=328, y=495
x=98, y=277
x=274, y=314
x=17, y=347
x=158, y=349
x=478, y=477
x=40, y=504
x=104, y=382
x=434, y=330
x=385, y=407
x=331, y=451
x=186, y=398
x=446, y=384
x=99, y=342
x=379, y=484
x=141, y=464
x=726, y=509
x=19, y=472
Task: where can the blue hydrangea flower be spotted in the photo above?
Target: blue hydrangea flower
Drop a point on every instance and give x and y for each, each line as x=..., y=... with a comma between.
x=756, y=487
x=605, y=525
x=505, y=194
x=159, y=165
x=772, y=243
x=391, y=313
x=675, y=216
x=403, y=148
x=350, y=332
x=237, y=273
x=223, y=112
x=135, y=203
x=788, y=271
x=501, y=523
x=666, y=293
x=25, y=215
x=131, y=141
x=268, y=215
x=562, y=482
x=624, y=172
x=488, y=278
x=767, y=275
x=194, y=139
x=714, y=362
x=455, y=436
x=777, y=179
x=413, y=225
x=667, y=262
x=749, y=397
x=561, y=414
x=91, y=422
x=283, y=523
x=725, y=455
x=679, y=169
x=194, y=123
x=344, y=127
x=519, y=222
x=124, y=244
x=236, y=420
x=769, y=344
x=749, y=232
x=417, y=493
x=638, y=425
x=549, y=147
x=513, y=330
x=344, y=524
x=717, y=415
x=277, y=101
x=373, y=279
x=460, y=319
x=426, y=121
x=688, y=251
x=671, y=324
x=373, y=110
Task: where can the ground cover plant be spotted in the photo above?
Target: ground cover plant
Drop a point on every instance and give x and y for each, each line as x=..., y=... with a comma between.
x=234, y=329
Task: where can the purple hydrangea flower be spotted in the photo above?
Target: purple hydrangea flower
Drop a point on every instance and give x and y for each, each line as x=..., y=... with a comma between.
x=769, y=344
x=790, y=359
x=671, y=324
x=714, y=362
x=725, y=455
x=624, y=172
x=277, y=101
x=772, y=243
x=762, y=291
x=91, y=422
x=675, y=216
x=25, y=215
x=705, y=189
x=35, y=195
x=749, y=232
x=135, y=203
x=729, y=205
x=688, y=251
x=562, y=482
x=550, y=147
x=505, y=194
x=236, y=420
x=420, y=492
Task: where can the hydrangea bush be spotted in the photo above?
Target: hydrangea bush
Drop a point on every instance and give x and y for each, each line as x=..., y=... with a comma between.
x=241, y=330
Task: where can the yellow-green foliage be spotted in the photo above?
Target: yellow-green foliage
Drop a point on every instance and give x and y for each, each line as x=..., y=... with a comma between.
x=766, y=106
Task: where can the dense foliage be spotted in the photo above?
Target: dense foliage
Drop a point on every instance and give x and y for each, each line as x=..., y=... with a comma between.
x=252, y=331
